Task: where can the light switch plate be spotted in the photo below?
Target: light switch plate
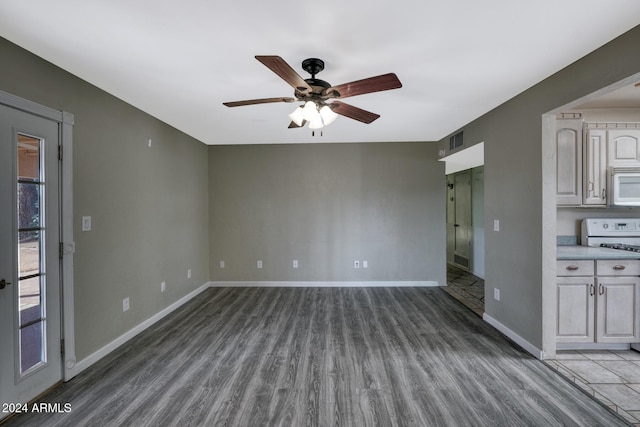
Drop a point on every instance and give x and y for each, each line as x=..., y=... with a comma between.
x=86, y=223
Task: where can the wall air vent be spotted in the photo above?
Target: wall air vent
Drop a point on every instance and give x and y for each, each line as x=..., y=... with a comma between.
x=456, y=141
x=460, y=260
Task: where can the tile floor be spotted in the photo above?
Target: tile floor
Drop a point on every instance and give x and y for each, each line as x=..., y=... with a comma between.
x=466, y=288
x=610, y=376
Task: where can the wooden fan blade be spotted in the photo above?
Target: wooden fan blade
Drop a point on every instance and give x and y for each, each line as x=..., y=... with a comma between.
x=257, y=101
x=294, y=125
x=284, y=70
x=360, y=87
x=352, y=112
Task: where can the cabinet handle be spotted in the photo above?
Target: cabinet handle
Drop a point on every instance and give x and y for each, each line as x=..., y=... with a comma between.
x=591, y=290
x=604, y=193
x=618, y=267
x=600, y=289
x=571, y=267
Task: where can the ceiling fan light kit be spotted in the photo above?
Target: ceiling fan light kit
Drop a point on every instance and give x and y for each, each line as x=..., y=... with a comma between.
x=297, y=116
x=314, y=93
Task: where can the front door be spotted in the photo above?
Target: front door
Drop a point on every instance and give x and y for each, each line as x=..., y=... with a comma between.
x=30, y=315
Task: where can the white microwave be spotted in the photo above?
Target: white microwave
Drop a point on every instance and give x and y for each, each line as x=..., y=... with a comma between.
x=626, y=187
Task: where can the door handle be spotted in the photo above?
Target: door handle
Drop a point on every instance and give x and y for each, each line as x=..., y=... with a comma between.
x=4, y=283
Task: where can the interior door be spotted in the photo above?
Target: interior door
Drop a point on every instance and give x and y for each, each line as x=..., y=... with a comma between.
x=30, y=318
x=463, y=228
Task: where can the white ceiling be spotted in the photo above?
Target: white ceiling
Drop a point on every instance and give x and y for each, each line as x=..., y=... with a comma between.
x=179, y=60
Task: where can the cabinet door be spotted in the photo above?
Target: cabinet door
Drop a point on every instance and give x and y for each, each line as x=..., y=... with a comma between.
x=575, y=309
x=595, y=168
x=569, y=162
x=624, y=147
x=617, y=310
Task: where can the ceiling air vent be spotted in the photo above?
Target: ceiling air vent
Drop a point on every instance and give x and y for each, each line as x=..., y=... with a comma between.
x=455, y=141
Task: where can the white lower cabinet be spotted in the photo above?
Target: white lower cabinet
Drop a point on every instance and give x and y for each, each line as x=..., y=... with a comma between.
x=598, y=304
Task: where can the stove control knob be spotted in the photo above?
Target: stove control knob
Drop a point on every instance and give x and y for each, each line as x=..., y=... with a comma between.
x=605, y=225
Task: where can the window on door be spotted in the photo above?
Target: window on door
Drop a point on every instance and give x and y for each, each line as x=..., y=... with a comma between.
x=31, y=244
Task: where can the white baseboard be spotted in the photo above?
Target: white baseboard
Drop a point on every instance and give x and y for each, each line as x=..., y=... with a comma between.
x=535, y=351
x=320, y=284
x=94, y=357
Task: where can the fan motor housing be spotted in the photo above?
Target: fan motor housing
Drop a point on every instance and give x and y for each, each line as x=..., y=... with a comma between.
x=313, y=66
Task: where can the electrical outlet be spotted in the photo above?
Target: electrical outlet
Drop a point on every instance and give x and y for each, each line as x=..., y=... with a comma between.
x=222, y=264
x=295, y=263
x=259, y=263
x=365, y=264
x=496, y=294
x=125, y=304
x=356, y=264
x=496, y=225
x=189, y=274
x=163, y=286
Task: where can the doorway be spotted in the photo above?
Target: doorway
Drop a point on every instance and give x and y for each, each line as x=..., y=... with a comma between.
x=31, y=261
x=464, y=172
x=465, y=226
x=604, y=105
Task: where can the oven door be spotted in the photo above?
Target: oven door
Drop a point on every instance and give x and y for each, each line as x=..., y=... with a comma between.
x=626, y=188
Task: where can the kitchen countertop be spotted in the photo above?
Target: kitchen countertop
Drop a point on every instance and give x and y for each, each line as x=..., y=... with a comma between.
x=588, y=252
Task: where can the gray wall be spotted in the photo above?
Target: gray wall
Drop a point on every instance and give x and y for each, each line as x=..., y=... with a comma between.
x=327, y=205
x=512, y=134
x=148, y=204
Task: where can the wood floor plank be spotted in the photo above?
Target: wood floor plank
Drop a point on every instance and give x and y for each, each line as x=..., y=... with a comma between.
x=320, y=357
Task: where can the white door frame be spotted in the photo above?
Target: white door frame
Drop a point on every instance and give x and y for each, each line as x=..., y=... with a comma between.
x=67, y=245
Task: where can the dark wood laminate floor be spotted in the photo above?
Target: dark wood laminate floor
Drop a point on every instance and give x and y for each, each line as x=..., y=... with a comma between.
x=321, y=357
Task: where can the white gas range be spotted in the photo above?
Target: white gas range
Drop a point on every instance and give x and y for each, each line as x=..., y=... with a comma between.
x=615, y=233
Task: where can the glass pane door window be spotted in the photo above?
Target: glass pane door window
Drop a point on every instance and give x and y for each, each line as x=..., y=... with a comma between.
x=31, y=244
x=30, y=286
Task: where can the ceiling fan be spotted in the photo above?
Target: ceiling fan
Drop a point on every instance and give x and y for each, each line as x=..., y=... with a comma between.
x=314, y=93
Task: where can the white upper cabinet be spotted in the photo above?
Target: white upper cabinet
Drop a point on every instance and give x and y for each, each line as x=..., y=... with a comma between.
x=624, y=147
x=585, y=153
x=595, y=168
x=569, y=162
